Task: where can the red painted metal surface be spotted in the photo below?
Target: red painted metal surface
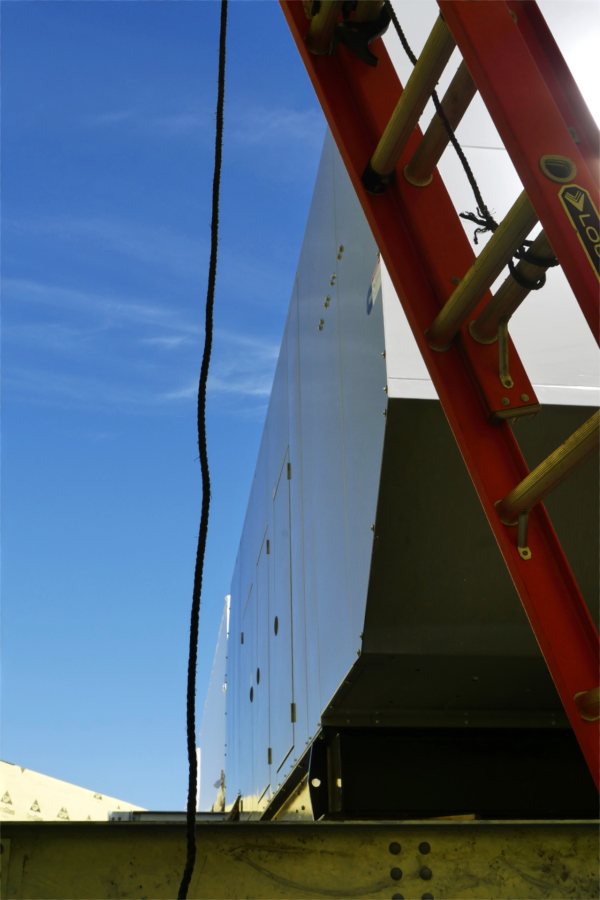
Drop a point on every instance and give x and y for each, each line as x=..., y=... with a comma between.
x=425, y=249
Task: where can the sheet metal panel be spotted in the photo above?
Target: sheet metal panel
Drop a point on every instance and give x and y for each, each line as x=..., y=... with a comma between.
x=246, y=718
x=281, y=686
x=261, y=678
x=363, y=401
x=326, y=418
x=212, y=726
x=325, y=574
x=307, y=707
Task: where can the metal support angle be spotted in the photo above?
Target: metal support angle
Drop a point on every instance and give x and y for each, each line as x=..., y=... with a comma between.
x=427, y=254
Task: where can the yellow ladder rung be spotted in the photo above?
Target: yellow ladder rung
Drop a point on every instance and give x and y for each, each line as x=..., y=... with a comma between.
x=507, y=238
x=554, y=469
x=454, y=105
x=419, y=87
x=511, y=294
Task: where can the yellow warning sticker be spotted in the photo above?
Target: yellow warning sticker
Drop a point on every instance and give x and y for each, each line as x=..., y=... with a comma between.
x=584, y=218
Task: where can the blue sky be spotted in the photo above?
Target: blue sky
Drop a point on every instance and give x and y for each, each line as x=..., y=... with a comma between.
x=107, y=142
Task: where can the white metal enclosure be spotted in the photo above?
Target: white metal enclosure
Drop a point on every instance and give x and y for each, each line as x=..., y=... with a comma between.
x=367, y=589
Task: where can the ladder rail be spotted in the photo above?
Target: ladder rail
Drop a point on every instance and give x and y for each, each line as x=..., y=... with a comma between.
x=408, y=224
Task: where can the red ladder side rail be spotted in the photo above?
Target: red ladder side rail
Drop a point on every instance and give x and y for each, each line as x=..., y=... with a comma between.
x=425, y=249
x=538, y=111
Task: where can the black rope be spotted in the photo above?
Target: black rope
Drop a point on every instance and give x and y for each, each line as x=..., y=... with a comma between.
x=483, y=217
x=529, y=284
x=525, y=254
x=202, y=447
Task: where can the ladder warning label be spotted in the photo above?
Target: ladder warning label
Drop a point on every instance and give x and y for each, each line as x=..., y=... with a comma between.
x=583, y=215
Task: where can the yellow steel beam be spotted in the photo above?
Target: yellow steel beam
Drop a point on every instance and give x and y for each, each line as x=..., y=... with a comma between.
x=434, y=858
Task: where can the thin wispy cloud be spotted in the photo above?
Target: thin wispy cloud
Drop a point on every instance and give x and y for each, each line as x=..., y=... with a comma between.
x=109, y=309
x=171, y=342
x=249, y=125
x=112, y=117
x=184, y=123
x=243, y=368
x=257, y=125
x=182, y=257
x=54, y=337
x=177, y=253
x=47, y=387
x=104, y=331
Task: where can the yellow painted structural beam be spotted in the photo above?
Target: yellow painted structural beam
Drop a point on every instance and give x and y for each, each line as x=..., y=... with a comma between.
x=429, y=859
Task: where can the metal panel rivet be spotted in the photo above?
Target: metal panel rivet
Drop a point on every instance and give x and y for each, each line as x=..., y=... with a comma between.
x=397, y=896
x=425, y=846
x=524, y=397
x=505, y=401
x=426, y=873
x=396, y=873
x=395, y=848
x=426, y=896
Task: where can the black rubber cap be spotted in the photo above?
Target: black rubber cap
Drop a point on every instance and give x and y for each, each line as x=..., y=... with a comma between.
x=374, y=182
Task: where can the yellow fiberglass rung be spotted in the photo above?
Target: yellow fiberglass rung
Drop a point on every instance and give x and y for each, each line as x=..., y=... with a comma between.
x=454, y=104
x=512, y=292
x=419, y=87
x=507, y=238
x=554, y=469
x=322, y=26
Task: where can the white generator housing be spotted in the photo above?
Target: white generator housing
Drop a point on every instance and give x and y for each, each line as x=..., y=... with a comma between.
x=368, y=592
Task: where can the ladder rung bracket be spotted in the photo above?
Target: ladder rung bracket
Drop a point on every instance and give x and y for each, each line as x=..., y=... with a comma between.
x=405, y=220
x=504, y=46
x=501, y=401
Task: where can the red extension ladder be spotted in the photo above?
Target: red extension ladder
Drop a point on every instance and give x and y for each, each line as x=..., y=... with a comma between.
x=460, y=328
